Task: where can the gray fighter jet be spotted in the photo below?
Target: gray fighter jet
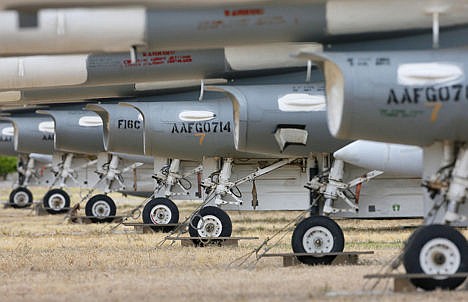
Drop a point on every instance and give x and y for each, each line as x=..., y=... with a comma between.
x=419, y=98
x=31, y=168
x=51, y=26
x=368, y=28
x=235, y=122
x=38, y=133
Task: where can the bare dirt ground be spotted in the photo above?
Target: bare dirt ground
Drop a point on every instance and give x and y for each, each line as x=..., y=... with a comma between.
x=45, y=258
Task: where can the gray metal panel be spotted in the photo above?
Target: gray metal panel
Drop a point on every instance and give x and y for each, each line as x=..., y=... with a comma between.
x=367, y=100
x=154, y=66
x=6, y=141
x=28, y=138
x=449, y=37
x=149, y=160
x=75, y=93
x=212, y=27
x=70, y=136
x=167, y=135
x=122, y=126
x=258, y=116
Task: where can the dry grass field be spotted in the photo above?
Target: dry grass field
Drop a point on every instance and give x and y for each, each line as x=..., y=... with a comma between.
x=44, y=258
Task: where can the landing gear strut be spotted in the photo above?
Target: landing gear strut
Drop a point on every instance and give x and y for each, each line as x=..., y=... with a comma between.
x=439, y=249
x=57, y=201
x=162, y=210
x=211, y=221
x=321, y=234
x=100, y=207
x=332, y=187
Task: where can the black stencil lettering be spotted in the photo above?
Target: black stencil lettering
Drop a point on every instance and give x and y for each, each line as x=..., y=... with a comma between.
x=416, y=94
x=215, y=126
x=444, y=94
x=198, y=127
x=227, y=127
x=406, y=97
x=392, y=97
x=431, y=95
x=457, y=89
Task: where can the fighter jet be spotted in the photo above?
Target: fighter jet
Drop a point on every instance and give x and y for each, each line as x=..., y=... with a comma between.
x=419, y=98
x=36, y=133
x=31, y=168
x=51, y=27
x=381, y=30
x=287, y=137
x=228, y=122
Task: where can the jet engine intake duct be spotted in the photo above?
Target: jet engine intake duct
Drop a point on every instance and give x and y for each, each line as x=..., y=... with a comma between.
x=7, y=147
x=77, y=131
x=414, y=97
x=187, y=130
x=280, y=120
x=32, y=133
x=122, y=127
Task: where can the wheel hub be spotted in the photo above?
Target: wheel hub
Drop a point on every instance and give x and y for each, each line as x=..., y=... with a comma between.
x=161, y=214
x=20, y=198
x=57, y=202
x=318, y=243
x=101, y=209
x=440, y=256
x=318, y=239
x=209, y=226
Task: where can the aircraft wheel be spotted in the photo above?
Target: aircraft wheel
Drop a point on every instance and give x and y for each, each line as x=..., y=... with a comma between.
x=317, y=234
x=436, y=249
x=21, y=198
x=101, y=208
x=210, y=222
x=56, y=201
x=160, y=211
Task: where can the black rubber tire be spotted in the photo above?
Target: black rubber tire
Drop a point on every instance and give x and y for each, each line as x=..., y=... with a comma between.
x=413, y=248
x=226, y=224
x=147, y=219
x=100, y=198
x=20, y=190
x=46, y=201
x=313, y=221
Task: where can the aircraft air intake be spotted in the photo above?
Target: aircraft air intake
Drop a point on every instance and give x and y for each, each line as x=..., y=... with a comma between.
x=28, y=138
x=413, y=98
x=76, y=131
x=122, y=128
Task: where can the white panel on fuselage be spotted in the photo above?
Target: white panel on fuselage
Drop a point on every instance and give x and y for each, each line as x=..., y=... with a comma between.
x=357, y=16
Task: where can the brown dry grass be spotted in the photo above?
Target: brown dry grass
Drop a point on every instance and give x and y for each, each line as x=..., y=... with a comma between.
x=43, y=258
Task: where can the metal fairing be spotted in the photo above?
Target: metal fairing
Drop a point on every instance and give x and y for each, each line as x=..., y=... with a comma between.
x=28, y=138
x=122, y=128
x=6, y=141
x=167, y=135
x=259, y=117
x=70, y=136
x=210, y=27
x=387, y=89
